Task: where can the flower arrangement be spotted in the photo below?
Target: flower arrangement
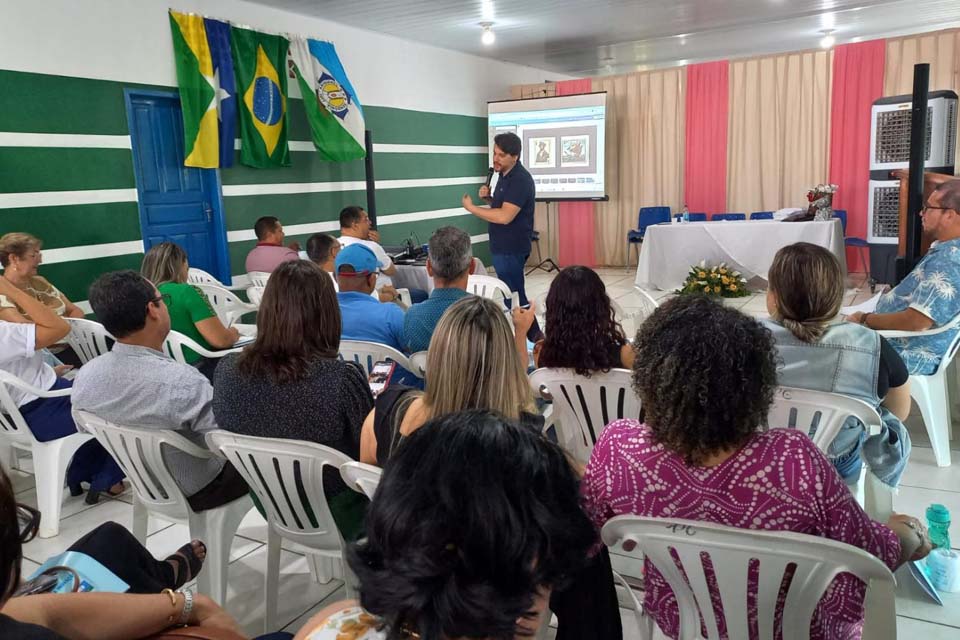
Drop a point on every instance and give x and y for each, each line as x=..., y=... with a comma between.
x=714, y=281
x=820, y=198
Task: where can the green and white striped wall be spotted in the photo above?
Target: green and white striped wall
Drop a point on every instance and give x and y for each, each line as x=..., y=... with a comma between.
x=66, y=176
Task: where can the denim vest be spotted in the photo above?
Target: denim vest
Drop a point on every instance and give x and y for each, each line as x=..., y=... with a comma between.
x=846, y=360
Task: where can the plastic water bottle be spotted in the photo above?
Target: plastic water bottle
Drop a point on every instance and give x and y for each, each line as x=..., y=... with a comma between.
x=686, y=214
x=938, y=525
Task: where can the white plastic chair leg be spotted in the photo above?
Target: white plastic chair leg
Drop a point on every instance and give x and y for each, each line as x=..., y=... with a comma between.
x=322, y=568
x=930, y=394
x=141, y=518
x=272, y=580
x=50, y=462
x=349, y=580
x=221, y=526
x=877, y=498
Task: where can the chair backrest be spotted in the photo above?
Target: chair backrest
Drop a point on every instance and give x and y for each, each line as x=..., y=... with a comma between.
x=729, y=216
x=255, y=294
x=139, y=452
x=287, y=476
x=362, y=478
x=697, y=217
x=842, y=214
x=228, y=305
x=652, y=215
x=489, y=287
x=199, y=276
x=681, y=550
x=761, y=215
x=819, y=414
x=584, y=406
x=175, y=343
x=367, y=354
x=88, y=338
x=258, y=278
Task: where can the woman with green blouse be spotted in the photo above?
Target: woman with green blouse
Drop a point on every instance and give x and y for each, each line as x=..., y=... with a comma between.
x=165, y=265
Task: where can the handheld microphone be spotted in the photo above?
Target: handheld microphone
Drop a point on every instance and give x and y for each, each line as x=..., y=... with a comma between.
x=489, y=176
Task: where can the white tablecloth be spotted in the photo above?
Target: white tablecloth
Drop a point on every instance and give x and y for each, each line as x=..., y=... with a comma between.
x=668, y=250
x=413, y=276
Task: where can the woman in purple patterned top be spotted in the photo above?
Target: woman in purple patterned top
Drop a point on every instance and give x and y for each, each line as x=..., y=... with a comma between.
x=706, y=375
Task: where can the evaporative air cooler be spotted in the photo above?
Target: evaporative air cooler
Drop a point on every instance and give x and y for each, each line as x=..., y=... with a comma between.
x=890, y=149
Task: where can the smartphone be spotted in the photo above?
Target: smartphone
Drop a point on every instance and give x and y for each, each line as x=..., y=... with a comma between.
x=380, y=376
x=44, y=583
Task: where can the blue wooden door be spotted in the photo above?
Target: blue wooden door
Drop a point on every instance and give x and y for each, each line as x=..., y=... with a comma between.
x=177, y=204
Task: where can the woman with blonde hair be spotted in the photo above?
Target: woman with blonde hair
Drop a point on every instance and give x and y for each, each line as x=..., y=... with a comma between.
x=166, y=266
x=472, y=363
x=819, y=352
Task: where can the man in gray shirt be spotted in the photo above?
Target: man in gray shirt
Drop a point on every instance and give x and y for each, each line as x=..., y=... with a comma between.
x=137, y=385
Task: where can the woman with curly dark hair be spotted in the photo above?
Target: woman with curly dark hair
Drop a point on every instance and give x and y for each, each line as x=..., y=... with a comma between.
x=475, y=521
x=706, y=376
x=581, y=331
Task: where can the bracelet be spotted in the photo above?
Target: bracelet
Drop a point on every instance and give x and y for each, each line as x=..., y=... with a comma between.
x=187, y=607
x=173, y=603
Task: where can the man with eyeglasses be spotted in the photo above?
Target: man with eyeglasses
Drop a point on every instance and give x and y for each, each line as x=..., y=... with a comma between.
x=929, y=297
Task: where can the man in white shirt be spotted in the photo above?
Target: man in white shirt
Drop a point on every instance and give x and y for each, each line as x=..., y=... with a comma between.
x=21, y=354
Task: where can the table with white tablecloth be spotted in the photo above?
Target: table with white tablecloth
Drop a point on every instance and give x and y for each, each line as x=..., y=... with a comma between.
x=669, y=250
x=414, y=276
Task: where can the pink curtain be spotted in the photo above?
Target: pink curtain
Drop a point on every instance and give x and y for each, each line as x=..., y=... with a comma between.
x=705, y=166
x=857, y=81
x=575, y=219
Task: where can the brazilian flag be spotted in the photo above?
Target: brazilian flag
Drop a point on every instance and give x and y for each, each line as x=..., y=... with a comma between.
x=260, y=64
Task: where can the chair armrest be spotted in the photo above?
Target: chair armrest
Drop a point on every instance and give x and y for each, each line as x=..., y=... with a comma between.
x=14, y=381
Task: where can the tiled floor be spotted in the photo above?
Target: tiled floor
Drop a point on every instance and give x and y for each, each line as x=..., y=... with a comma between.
x=300, y=597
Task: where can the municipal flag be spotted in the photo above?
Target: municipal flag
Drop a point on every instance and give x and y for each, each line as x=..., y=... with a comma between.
x=259, y=60
x=218, y=36
x=206, y=83
x=333, y=110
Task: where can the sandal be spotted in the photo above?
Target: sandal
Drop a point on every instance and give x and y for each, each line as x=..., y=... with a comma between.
x=93, y=497
x=185, y=555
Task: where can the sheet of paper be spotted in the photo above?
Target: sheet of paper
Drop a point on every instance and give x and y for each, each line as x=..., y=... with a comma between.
x=865, y=307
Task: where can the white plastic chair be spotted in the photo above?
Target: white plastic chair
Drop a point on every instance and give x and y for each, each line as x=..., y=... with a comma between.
x=175, y=342
x=362, y=478
x=138, y=451
x=419, y=362
x=50, y=459
x=287, y=476
x=821, y=415
x=367, y=354
x=932, y=392
x=731, y=550
x=257, y=278
x=489, y=287
x=87, y=338
x=584, y=406
x=255, y=294
x=199, y=276
x=229, y=307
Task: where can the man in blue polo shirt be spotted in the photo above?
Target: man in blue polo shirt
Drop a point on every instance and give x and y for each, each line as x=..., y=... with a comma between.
x=363, y=316
x=509, y=214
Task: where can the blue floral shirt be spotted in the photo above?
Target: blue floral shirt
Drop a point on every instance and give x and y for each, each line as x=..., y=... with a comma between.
x=932, y=289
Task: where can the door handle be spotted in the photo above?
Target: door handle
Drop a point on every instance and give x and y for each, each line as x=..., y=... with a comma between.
x=209, y=211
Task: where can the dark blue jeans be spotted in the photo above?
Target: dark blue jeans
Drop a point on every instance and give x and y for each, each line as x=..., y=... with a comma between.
x=509, y=268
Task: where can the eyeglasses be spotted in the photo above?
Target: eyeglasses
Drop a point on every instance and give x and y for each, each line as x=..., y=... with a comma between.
x=28, y=520
x=927, y=207
x=165, y=297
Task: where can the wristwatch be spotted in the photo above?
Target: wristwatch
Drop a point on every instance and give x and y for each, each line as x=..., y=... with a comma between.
x=187, y=607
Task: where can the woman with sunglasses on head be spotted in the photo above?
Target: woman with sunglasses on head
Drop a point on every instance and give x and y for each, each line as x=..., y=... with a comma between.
x=103, y=616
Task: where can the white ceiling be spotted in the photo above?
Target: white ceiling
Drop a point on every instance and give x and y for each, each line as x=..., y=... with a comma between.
x=585, y=38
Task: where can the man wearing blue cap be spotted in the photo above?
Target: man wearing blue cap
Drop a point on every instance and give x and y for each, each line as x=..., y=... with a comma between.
x=363, y=317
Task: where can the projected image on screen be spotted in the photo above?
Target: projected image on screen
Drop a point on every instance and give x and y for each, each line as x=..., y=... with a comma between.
x=563, y=142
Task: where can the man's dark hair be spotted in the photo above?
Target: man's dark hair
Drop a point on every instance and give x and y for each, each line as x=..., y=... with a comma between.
x=705, y=375
x=319, y=246
x=473, y=514
x=509, y=143
x=349, y=215
x=119, y=299
x=264, y=226
x=950, y=194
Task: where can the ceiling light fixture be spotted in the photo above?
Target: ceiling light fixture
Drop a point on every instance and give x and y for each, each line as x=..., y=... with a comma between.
x=827, y=40
x=488, y=37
